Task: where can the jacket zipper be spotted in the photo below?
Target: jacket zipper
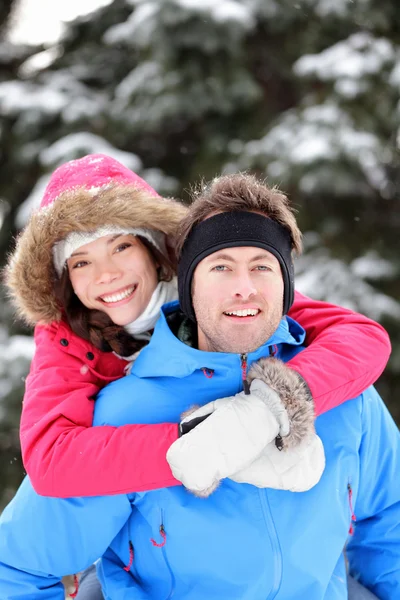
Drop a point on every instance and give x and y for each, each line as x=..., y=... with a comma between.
x=164, y=554
x=276, y=547
x=245, y=383
x=172, y=590
x=243, y=365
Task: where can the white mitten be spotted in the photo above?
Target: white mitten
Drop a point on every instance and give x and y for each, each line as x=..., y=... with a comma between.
x=274, y=403
x=297, y=469
x=237, y=430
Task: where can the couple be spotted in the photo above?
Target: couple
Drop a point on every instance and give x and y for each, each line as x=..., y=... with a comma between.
x=250, y=537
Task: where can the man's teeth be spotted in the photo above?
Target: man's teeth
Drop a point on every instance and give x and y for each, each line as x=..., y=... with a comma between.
x=247, y=312
x=119, y=296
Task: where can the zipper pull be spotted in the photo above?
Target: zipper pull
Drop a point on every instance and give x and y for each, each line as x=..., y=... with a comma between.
x=353, y=516
x=131, y=557
x=243, y=361
x=163, y=536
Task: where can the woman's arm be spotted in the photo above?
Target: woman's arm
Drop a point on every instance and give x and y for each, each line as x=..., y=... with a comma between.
x=63, y=454
x=346, y=352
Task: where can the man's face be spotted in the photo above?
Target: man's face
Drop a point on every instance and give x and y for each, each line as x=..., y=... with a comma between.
x=238, y=299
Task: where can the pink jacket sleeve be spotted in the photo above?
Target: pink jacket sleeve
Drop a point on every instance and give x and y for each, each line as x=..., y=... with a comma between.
x=63, y=454
x=346, y=352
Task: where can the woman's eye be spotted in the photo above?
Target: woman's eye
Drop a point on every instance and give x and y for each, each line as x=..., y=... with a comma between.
x=122, y=247
x=80, y=264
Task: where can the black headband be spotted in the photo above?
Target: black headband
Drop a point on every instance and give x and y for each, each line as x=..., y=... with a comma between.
x=230, y=230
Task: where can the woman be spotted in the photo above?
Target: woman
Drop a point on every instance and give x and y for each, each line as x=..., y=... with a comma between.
x=78, y=331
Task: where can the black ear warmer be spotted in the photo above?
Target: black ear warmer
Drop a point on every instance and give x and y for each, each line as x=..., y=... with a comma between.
x=230, y=230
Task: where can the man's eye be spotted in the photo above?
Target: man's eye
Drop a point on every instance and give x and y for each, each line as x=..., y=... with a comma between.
x=219, y=268
x=263, y=268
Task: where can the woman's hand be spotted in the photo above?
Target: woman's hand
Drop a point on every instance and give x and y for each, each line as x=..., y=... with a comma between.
x=234, y=433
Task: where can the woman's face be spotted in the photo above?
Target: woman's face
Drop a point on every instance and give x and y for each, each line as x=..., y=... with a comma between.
x=115, y=274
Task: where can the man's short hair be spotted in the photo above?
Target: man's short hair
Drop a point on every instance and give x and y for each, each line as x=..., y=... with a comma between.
x=239, y=192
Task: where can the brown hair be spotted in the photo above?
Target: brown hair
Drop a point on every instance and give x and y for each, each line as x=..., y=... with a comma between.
x=95, y=325
x=239, y=192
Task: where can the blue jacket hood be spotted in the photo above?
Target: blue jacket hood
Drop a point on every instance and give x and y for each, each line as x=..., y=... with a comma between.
x=169, y=349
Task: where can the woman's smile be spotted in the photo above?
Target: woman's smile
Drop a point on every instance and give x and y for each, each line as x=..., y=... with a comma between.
x=118, y=297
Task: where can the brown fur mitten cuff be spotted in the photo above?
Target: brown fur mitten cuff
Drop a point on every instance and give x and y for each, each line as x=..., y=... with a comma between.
x=294, y=394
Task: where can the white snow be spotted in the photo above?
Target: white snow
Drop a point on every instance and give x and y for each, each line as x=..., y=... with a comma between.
x=19, y=96
x=359, y=55
x=137, y=29
x=42, y=21
x=316, y=134
x=18, y=346
x=325, y=8
x=222, y=11
x=75, y=144
x=320, y=276
x=15, y=355
x=372, y=266
x=32, y=202
x=140, y=27
x=147, y=77
x=394, y=78
x=39, y=61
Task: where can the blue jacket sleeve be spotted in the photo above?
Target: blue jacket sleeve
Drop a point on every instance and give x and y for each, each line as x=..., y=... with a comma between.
x=374, y=549
x=26, y=585
x=42, y=539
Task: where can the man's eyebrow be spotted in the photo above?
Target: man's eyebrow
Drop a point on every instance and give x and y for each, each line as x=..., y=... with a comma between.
x=221, y=256
x=110, y=241
x=263, y=256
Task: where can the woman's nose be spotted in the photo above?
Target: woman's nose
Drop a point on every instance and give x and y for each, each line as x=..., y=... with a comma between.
x=107, y=273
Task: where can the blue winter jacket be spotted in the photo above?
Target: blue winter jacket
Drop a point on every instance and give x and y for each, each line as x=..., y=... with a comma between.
x=241, y=542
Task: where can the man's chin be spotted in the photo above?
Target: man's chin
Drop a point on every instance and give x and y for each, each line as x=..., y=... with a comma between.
x=239, y=346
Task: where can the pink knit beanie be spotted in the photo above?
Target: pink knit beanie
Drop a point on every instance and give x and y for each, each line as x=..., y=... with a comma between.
x=93, y=172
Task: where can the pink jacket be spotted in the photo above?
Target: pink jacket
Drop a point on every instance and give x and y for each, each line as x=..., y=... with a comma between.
x=65, y=456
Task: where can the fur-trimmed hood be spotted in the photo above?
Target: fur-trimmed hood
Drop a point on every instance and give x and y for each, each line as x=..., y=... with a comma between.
x=30, y=272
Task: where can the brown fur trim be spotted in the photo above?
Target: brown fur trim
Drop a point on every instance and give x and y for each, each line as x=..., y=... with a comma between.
x=30, y=273
x=294, y=393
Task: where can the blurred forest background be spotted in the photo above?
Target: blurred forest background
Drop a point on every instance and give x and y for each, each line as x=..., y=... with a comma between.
x=306, y=93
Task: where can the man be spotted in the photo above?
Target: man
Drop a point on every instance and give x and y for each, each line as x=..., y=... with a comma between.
x=236, y=283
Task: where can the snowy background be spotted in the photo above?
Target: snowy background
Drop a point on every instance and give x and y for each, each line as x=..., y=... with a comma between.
x=305, y=93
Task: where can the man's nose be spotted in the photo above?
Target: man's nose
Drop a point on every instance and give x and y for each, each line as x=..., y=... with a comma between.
x=244, y=287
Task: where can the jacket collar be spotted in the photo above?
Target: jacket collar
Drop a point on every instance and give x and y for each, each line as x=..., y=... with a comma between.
x=167, y=356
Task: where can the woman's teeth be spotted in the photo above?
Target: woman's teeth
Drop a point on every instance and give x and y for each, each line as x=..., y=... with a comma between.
x=247, y=312
x=119, y=296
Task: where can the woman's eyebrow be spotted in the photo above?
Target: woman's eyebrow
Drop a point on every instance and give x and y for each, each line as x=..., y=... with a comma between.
x=114, y=237
x=110, y=241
